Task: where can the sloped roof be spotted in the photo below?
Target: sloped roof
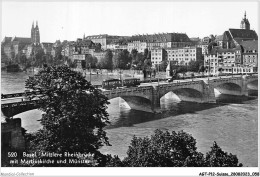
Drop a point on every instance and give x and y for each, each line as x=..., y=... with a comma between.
x=243, y=34
x=7, y=40
x=250, y=45
x=227, y=36
x=195, y=39
x=22, y=40
x=162, y=37
x=219, y=38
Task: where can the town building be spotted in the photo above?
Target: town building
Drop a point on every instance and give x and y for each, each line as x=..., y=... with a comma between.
x=13, y=45
x=47, y=47
x=242, y=59
x=183, y=55
x=203, y=44
x=158, y=55
x=233, y=37
x=118, y=44
x=103, y=39
x=161, y=40
x=6, y=45
x=99, y=55
x=250, y=54
x=195, y=41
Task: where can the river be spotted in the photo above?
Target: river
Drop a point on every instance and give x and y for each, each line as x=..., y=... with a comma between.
x=232, y=122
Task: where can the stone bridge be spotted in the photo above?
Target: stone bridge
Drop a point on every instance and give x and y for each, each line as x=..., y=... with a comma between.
x=147, y=98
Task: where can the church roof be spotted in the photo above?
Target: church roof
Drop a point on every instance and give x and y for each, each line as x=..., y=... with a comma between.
x=250, y=45
x=7, y=40
x=22, y=40
x=243, y=34
x=227, y=36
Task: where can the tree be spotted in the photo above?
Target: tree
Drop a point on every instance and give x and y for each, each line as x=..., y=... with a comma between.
x=181, y=69
x=91, y=60
x=146, y=53
x=107, y=62
x=122, y=60
x=139, y=61
x=39, y=57
x=194, y=66
x=23, y=59
x=218, y=158
x=163, y=65
x=164, y=150
x=74, y=112
x=133, y=54
x=176, y=149
x=4, y=57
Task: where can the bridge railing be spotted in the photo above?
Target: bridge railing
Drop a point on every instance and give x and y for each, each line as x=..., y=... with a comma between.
x=180, y=84
x=125, y=90
x=17, y=104
x=21, y=94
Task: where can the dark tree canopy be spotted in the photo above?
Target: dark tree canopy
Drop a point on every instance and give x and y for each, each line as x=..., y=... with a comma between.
x=122, y=60
x=176, y=149
x=107, y=62
x=163, y=150
x=218, y=158
x=74, y=112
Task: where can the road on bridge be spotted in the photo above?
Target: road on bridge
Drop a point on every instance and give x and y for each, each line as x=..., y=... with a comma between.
x=23, y=98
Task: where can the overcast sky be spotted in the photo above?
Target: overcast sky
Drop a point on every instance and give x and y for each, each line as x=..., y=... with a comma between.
x=70, y=20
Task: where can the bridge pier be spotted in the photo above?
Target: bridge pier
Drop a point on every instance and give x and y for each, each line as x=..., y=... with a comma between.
x=155, y=104
x=208, y=93
x=244, y=90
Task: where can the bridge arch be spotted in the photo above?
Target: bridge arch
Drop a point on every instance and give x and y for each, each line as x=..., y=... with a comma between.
x=137, y=102
x=186, y=94
x=229, y=88
x=252, y=85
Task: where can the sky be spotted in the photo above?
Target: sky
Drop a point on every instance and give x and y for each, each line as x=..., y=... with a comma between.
x=67, y=20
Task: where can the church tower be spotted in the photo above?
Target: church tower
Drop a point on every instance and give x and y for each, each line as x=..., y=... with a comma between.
x=35, y=34
x=32, y=32
x=245, y=23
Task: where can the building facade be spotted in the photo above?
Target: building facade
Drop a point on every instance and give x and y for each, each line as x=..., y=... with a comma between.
x=161, y=40
x=158, y=55
x=182, y=56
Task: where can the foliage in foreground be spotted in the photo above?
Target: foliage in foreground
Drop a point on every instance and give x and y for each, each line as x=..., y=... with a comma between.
x=163, y=149
x=74, y=112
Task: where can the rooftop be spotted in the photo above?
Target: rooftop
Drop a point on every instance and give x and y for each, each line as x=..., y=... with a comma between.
x=250, y=45
x=243, y=33
x=162, y=37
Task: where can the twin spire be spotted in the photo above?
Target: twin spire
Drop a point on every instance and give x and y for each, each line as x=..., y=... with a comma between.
x=36, y=24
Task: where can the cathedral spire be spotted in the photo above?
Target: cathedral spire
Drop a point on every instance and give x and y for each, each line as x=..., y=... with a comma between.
x=36, y=23
x=33, y=24
x=245, y=15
